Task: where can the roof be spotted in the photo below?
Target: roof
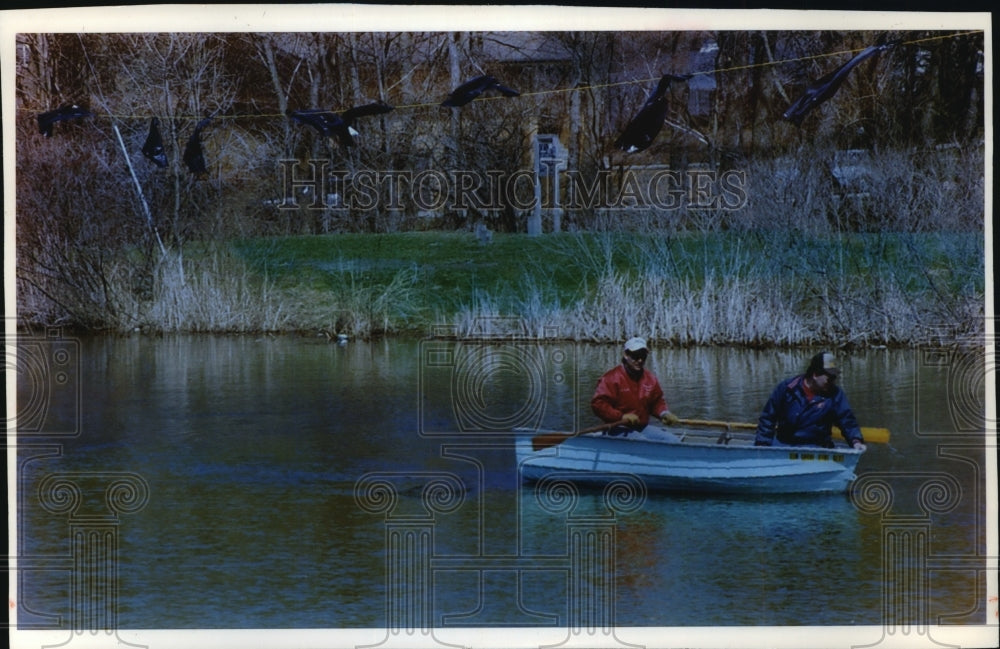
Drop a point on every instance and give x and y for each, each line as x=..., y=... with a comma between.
x=524, y=47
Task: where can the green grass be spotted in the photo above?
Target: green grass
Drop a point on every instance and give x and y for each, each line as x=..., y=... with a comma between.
x=452, y=266
x=449, y=268
x=760, y=287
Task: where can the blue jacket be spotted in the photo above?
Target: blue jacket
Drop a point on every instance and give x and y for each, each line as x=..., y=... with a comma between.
x=794, y=419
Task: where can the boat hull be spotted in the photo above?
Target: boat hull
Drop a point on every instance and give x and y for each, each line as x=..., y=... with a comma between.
x=683, y=466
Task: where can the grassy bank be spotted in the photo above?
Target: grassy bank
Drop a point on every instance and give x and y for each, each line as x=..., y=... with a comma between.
x=758, y=288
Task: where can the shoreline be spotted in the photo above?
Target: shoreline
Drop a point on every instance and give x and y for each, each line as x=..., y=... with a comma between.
x=962, y=342
x=683, y=290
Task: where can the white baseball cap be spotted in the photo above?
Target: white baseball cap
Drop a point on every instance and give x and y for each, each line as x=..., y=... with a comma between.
x=635, y=344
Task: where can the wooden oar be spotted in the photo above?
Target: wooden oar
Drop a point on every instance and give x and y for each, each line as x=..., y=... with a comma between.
x=871, y=435
x=545, y=440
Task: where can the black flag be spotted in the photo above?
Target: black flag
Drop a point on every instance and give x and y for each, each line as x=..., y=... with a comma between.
x=824, y=88
x=193, y=156
x=47, y=120
x=153, y=148
x=469, y=90
x=644, y=127
x=341, y=125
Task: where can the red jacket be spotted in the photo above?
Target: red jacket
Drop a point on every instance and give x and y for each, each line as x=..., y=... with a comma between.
x=617, y=394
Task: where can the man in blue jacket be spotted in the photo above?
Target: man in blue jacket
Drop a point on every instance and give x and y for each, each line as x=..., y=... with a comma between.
x=802, y=410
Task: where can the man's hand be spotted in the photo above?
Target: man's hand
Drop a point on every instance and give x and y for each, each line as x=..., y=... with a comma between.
x=670, y=419
x=630, y=419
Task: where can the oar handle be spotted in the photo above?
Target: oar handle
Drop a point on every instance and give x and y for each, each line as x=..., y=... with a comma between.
x=729, y=425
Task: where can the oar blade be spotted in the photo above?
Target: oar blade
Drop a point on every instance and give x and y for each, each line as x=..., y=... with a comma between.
x=872, y=435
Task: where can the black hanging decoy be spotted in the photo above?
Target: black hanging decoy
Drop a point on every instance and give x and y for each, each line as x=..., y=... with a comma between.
x=824, y=88
x=48, y=119
x=346, y=132
x=469, y=90
x=341, y=125
x=193, y=156
x=320, y=119
x=644, y=127
x=153, y=148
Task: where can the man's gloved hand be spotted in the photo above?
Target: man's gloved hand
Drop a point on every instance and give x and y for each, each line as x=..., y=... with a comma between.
x=630, y=419
x=670, y=419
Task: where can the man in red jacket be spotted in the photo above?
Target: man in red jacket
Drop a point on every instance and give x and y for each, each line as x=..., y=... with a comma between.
x=630, y=394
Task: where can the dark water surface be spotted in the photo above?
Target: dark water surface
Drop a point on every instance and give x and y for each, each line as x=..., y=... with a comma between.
x=272, y=476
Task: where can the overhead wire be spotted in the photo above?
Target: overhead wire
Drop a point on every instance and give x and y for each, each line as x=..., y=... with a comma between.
x=593, y=86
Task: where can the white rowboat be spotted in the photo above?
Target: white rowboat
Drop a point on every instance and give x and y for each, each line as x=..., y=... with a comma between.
x=691, y=462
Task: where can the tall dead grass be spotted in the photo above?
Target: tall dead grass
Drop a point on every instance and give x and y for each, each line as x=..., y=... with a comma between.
x=355, y=307
x=216, y=294
x=761, y=290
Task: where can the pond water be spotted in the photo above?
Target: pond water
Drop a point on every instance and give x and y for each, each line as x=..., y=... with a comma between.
x=276, y=482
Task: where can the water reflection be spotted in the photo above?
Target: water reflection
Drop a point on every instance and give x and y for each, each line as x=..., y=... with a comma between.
x=253, y=450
